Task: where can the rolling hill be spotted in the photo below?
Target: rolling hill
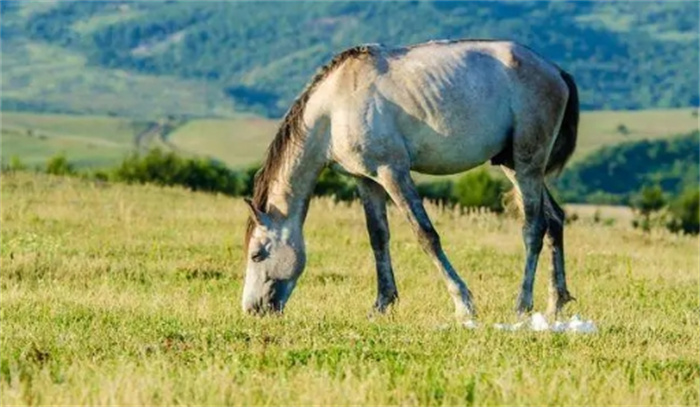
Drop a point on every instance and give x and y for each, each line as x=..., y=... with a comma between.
x=100, y=141
x=147, y=59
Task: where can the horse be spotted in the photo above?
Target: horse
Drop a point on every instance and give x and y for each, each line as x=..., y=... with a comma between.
x=440, y=107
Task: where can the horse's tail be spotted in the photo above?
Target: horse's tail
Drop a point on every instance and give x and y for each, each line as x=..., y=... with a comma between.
x=565, y=144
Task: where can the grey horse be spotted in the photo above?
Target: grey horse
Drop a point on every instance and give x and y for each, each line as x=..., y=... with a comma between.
x=439, y=107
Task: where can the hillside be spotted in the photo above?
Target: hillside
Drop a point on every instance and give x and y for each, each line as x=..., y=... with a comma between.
x=102, y=141
x=616, y=172
x=212, y=59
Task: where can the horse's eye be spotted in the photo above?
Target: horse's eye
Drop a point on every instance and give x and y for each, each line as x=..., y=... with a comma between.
x=258, y=256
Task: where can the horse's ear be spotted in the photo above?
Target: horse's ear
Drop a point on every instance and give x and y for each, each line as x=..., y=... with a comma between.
x=260, y=217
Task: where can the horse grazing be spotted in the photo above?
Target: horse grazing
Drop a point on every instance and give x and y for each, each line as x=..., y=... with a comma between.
x=439, y=107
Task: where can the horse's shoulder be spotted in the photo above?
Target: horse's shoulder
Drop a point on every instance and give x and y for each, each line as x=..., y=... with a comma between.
x=356, y=67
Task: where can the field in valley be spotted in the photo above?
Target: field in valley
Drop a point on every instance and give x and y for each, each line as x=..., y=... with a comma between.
x=99, y=141
x=115, y=294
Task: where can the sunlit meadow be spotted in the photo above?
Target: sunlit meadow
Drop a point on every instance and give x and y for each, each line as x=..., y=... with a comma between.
x=117, y=294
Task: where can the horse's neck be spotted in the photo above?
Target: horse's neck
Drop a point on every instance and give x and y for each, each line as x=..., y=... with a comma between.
x=304, y=159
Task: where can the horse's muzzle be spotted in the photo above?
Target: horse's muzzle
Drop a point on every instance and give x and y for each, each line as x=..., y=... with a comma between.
x=271, y=302
x=261, y=308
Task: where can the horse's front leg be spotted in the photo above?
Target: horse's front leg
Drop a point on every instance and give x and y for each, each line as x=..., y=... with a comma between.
x=403, y=192
x=374, y=203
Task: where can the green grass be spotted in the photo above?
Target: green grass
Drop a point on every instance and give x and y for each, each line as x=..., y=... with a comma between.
x=108, y=296
x=96, y=128
x=87, y=141
x=599, y=129
x=35, y=150
x=238, y=143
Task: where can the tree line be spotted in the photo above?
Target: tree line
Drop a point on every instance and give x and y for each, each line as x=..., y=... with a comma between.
x=473, y=189
x=655, y=207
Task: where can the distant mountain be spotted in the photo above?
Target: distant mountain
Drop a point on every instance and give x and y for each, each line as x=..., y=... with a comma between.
x=256, y=56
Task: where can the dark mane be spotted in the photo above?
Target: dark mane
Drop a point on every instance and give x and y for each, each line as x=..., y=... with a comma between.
x=291, y=130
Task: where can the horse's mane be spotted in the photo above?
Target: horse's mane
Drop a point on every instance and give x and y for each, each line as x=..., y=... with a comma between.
x=291, y=130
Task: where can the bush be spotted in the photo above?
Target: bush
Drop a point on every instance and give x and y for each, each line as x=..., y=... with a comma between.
x=474, y=189
x=59, y=165
x=198, y=174
x=15, y=165
x=479, y=189
x=249, y=179
x=685, y=213
x=648, y=201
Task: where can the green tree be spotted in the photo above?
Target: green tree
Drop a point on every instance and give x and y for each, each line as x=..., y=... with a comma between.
x=15, y=164
x=685, y=212
x=649, y=200
x=479, y=189
x=59, y=165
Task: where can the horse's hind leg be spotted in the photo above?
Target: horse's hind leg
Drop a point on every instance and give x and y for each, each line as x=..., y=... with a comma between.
x=403, y=192
x=558, y=293
x=374, y=203
x=531, y=190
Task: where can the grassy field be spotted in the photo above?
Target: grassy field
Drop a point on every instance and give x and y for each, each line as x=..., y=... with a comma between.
x=238, y=143
x=103, y=141
x=86, y=140
x=115, y=294
x=599, y=129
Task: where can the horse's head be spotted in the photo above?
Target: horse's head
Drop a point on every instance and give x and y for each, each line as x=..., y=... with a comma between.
x=276, y=259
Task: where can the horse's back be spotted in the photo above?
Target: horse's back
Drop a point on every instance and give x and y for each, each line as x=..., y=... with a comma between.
x=451, y=102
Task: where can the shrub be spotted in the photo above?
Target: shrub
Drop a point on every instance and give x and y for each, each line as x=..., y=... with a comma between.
x=474, y=189
x=479, y=189
x=15, y=164
x=648, y=201
x=685, y=213
x=198, y=174
x=59, y=165
x=249, y=179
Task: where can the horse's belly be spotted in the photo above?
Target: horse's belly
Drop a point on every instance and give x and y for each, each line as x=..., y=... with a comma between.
x=456, y=147
x=451, y=158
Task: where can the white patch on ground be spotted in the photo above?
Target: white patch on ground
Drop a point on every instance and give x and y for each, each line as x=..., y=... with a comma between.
x=470, y=324
x=539, y=323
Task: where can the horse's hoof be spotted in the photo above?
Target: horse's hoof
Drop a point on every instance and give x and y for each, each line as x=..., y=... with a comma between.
x=524, y=306
x=556, y=306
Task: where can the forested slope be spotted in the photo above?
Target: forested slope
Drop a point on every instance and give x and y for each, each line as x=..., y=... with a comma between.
x=258, y=55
